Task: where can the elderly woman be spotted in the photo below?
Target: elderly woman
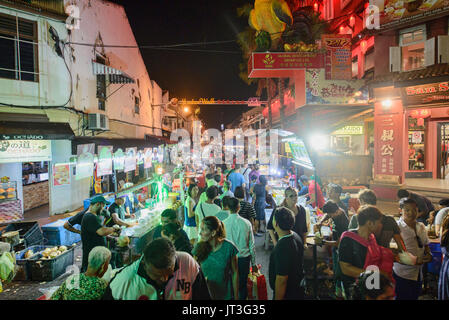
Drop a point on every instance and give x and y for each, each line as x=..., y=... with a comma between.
x=88, y=285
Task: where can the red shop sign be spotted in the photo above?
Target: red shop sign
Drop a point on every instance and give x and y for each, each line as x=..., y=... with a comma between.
x=282, y=64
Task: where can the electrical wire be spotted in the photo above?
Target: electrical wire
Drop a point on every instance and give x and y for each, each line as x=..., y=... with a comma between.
x=152, y=47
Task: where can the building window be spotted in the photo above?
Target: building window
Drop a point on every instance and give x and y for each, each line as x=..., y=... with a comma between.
x=136, y=105
x=355, y=67
x=18, y=49
x=412, y=43
x=416, y=144
x=369, y=59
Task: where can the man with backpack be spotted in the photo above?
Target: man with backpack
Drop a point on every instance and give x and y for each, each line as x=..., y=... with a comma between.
x=358, y=249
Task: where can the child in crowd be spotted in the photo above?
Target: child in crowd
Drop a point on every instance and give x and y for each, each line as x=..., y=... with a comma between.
x=409, y=277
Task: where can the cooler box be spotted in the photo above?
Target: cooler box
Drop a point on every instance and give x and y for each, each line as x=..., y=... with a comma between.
x=48, y=270
x=56, y=235
x=23, y=265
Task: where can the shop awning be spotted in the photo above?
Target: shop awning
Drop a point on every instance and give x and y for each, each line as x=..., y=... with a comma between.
x=328, y=118
x=12, y=130
x=114, y=75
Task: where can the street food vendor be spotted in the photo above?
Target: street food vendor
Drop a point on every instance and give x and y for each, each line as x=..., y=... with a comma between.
x=117, y=214
x=93, y=233
x=132, y=203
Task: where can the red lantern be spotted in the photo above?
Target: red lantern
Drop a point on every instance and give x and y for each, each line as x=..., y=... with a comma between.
x=316, y=6
x=342, y=29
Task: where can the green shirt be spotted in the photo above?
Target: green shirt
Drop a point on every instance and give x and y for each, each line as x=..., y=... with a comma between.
x=89, y=288
x=217, y=270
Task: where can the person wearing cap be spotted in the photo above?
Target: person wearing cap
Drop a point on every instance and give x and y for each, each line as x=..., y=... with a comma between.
x=93, y=234
x=117, y=214
x=132, y=203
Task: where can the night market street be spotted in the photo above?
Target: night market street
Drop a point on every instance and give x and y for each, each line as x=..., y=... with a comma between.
x=235, y=152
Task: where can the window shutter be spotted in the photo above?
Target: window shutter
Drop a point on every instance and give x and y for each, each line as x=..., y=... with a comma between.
x=429, y=52
x=395, y=59
x=443, y=49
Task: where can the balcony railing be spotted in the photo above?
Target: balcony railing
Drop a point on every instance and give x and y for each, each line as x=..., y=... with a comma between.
x=42, y=6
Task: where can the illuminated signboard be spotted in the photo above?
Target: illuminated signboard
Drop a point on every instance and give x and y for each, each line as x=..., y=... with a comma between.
x=349, y=130
x=25, y=151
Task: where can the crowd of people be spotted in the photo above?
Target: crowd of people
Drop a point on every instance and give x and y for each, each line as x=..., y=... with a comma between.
x=210, y=253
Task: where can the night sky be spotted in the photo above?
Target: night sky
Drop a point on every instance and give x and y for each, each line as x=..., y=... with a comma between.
x=193, y=75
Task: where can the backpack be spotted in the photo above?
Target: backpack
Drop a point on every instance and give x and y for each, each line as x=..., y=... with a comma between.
x=376, y=255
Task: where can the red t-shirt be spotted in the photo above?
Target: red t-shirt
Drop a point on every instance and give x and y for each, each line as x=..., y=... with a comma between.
x=320, y=194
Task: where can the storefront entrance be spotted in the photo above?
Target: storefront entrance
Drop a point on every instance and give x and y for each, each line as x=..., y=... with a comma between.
x=443, y=148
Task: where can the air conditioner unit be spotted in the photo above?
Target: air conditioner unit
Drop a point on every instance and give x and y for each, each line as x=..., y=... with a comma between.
x=97, y=121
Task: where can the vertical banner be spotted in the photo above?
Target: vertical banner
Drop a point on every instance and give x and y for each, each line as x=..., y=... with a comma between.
x=130, y=159
x=61, y=174
x=148, y=158
x=388, y=146
x=338, y=64
x=104, y=164
x=85, y=161
x=119, y=160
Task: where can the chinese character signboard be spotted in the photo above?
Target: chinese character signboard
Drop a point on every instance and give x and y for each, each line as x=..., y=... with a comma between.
x=387, y=139
x=425, y=94
x=282, y=64
x=397, y=12
x=338, y=63
x=322, y=91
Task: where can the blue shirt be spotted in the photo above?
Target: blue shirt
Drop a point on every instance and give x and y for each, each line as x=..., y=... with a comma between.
x=304, y=190
x=236, y=179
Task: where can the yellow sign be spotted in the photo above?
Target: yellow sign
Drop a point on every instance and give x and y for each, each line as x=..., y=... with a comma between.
x=349, y=130
x=287, y=148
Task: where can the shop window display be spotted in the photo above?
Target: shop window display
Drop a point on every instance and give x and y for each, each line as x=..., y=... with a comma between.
x=416, y=144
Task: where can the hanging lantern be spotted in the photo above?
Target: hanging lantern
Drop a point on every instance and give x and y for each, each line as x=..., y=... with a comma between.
x=420, y=122
x=316, y=6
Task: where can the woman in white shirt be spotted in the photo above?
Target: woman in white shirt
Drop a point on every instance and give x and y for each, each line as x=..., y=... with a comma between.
x=409, y=277
x=190, y=226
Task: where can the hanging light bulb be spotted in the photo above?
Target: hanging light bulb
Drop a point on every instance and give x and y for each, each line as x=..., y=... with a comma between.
x=352, y=21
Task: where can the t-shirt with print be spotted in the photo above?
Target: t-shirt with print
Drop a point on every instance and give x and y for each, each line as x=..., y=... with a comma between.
x=352, y=252
x=287, y=259
x=389, y=229
x=217, y=270
x=88, y=288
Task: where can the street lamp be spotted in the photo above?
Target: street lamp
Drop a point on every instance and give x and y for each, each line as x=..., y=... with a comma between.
x=186, y=109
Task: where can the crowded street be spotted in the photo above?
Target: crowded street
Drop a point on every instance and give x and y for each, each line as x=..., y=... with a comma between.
x=248, y=151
